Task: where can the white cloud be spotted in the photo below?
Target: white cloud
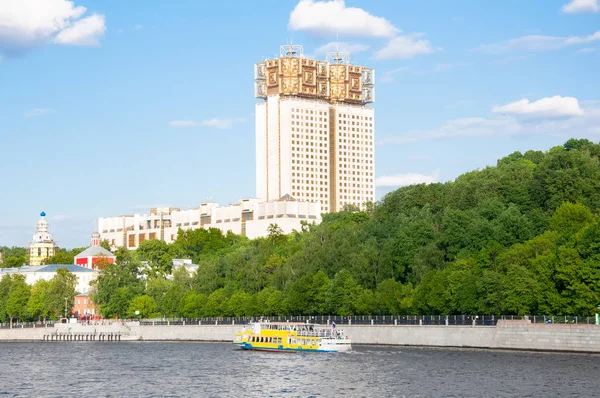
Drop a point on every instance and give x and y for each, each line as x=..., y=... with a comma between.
x=26, y=24
x=38, y=112
x=405, y=46
x=342, y=47
x=333, y=17
x=536, y=43
x=581, y=6
x=586, y=50
x=463, y=127
x=585, y=125
x=139, y=27
x=389, y=75
x=402, y=180
x=85, y=32
x=183, y=123
x=542, y=108
x=222, y=123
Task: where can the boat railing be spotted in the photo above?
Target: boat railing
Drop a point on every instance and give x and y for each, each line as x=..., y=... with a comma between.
x=324, y=333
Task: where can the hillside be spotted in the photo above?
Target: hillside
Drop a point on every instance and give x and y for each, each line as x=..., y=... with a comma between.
x=518, y=238
x=522, y=237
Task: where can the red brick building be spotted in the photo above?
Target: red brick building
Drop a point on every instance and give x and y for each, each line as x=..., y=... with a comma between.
x=84, y=308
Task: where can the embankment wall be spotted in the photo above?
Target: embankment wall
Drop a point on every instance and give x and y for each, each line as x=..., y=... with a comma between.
x=518, y=335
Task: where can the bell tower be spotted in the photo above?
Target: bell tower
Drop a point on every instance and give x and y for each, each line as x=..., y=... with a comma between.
x=42, y=246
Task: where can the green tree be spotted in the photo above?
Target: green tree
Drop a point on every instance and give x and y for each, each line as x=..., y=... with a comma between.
x=61, y=292
x=192, y=305
x=142, y=307
x=157, y=255
x=18, y=296
x=342, y=294
x=14, y=257
x=117, y=284
x=38, y=306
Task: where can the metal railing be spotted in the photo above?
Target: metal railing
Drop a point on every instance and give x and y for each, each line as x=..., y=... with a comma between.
x=416, y=320
x=25, y=325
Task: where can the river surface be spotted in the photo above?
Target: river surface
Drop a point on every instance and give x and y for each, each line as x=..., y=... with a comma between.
x=151, y=369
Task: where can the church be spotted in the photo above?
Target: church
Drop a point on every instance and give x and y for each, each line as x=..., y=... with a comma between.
x=42, y=246
x=93, y=254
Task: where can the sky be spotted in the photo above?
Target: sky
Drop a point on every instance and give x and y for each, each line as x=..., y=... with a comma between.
x=110, y=108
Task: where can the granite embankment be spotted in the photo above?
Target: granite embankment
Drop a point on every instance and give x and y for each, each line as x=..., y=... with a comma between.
x=518, y=335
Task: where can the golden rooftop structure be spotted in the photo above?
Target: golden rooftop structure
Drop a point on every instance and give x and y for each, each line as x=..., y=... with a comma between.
x=334, y=80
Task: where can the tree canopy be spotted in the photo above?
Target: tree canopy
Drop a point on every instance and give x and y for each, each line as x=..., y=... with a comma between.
x=521, y=237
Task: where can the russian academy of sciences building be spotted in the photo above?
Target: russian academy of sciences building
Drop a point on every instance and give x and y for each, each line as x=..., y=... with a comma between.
x=314, y=154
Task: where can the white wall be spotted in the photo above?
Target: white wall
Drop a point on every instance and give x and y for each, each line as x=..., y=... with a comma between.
x=261, y=150
x=273, y=152
x=287, y=214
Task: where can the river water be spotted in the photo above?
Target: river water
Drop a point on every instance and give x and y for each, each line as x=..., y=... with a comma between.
x=150, y=369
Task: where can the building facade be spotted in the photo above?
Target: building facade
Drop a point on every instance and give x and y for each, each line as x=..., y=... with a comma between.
x=34, y=273
x=42, y=246
x=314, y=154
x=250, y=218
x=85, y=308
x=314, y=130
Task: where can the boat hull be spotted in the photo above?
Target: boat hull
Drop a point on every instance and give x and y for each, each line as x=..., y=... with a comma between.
x=323, y=348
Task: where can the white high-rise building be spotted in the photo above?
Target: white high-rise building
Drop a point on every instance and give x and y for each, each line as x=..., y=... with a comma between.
x=314, y=130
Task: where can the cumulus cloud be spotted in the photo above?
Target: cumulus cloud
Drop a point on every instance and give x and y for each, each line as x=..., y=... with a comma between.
x=333, y=17
x=405, y=46
x=542, y=108
x=343, y=47
x=402, y=180
x=581, y=6
x=585, y=125
x=85, y=32
x=38, y=112
x=26, y=24
x=183, y=123
x=536, y=43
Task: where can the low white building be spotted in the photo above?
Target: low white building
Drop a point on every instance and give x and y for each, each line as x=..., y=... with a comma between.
x=250, y=218
x=34, y=273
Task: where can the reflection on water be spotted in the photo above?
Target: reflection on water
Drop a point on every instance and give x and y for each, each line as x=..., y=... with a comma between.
x=145, y=369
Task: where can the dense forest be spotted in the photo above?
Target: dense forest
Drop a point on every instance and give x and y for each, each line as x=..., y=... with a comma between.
x=522, y=237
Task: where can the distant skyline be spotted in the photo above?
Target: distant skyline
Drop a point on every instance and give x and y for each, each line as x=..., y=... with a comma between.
x=109, y=108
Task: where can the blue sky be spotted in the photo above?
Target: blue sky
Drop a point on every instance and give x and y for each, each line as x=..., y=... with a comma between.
x=109, y=108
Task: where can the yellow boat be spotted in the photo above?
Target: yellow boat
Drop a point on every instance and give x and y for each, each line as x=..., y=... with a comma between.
x=288, y=336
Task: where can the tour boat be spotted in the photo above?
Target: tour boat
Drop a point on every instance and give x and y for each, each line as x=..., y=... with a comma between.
x=288, y=336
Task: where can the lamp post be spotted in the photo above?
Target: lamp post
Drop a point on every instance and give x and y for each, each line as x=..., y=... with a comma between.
x=66, y=307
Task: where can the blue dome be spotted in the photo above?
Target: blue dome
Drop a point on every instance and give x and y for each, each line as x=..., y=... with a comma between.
x=43, y=214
